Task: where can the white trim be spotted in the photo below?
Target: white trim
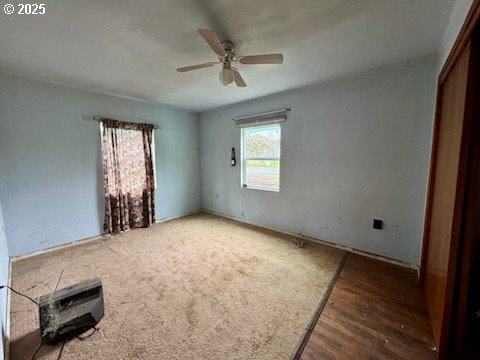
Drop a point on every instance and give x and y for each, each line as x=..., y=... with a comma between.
x=89, y=239
x=245, y=186
x=178, y=216
x=323, y=242
x=285, y=232
x=58, y=247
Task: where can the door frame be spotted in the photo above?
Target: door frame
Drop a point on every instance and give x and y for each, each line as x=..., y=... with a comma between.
x=465, y=36
x=470, y=241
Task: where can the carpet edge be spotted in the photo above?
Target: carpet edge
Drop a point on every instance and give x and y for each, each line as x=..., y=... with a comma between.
x=297, y=353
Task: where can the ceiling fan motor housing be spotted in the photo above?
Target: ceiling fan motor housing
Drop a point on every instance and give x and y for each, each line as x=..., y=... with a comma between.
x=227, y=45
x=230, y=55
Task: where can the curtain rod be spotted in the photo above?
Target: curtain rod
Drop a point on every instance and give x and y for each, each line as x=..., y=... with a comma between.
x=262, y=114
x=98, y=118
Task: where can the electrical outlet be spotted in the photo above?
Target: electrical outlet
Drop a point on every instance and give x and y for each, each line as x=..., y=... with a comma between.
x=377, y=224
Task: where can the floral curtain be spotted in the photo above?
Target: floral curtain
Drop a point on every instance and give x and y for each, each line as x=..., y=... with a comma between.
x=129, y=177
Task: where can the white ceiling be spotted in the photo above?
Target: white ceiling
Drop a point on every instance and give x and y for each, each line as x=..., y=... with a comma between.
x=131, y=48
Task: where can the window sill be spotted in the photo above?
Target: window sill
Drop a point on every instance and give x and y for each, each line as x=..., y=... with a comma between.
x=260, y=188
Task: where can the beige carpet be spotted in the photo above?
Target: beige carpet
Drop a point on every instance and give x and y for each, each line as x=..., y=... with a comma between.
x=200, y=287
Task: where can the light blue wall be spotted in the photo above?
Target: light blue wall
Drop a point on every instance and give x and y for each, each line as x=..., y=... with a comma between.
x=50, y=161
x=352, y=151
x=458, y=16
x=4, y=268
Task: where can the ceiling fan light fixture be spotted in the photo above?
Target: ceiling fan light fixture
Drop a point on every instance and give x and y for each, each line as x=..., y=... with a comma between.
x=226, y=77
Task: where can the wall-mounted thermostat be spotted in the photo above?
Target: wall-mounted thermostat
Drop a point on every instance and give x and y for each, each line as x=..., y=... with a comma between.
x=233, y=161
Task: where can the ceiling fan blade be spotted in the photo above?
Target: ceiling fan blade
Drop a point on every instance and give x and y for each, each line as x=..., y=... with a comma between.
x=262, y=59
x=196, y=67
x=238, y=79
x=213, y=41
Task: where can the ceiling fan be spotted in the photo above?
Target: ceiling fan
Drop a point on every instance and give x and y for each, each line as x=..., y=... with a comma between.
x=224, y=50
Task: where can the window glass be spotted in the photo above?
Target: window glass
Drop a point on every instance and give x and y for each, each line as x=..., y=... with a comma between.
x=261, y=157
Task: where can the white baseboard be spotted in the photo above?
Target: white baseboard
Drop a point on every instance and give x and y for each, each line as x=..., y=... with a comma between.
x=93, y=238
x=178, y=216
x=326, y=243
x=57, y=247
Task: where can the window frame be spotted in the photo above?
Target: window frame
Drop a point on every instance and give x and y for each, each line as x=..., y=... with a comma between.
x=244, y=159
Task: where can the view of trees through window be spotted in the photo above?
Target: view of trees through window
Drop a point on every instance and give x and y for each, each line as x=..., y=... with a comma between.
x=261, y=157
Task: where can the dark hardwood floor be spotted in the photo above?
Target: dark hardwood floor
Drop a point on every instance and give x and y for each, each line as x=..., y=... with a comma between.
x=375, y=311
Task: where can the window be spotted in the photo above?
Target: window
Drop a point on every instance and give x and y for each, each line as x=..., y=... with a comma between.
x=261, y=157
